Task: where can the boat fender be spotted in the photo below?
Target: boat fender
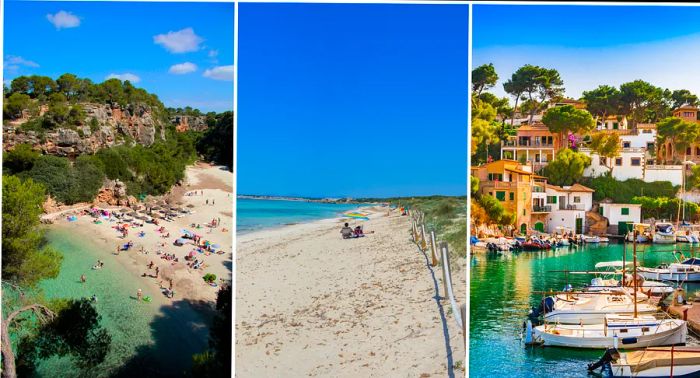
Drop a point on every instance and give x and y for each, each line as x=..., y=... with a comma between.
x=528, y=332
x=615, y=338
x=628, y=340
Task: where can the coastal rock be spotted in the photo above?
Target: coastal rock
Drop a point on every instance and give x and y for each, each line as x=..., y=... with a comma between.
x=184, y=123
x=113, y=125
x=50, y=205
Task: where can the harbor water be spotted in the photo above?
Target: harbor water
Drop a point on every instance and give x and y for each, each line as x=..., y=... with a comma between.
x=505, y=286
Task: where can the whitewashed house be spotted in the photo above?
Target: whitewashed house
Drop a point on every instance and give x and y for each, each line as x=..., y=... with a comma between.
x=568, y=207
x=620, y=215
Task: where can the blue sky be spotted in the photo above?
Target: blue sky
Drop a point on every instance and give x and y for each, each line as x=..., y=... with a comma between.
x=183, y=52
x=591, y=45
x=352, y=99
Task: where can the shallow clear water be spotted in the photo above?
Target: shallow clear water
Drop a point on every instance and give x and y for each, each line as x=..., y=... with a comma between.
x=503, y=290
x=145, y=336
x=253, y=214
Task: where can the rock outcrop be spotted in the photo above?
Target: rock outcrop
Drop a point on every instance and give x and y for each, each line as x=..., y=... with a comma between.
x=184, y=123
x=113, y=193
x=104, y=126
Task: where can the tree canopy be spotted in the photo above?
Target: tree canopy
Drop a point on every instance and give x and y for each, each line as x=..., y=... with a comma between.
x=561, y=119
x=567, y=167
x=603, y=101
x=483, y=77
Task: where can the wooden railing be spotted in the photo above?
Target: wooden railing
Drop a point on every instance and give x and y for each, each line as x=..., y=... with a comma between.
x=439, y=255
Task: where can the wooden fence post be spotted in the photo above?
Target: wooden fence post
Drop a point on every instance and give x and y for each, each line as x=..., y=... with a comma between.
x=423, y=244
x=463, y=311
x=445, y=267
x=433, y=248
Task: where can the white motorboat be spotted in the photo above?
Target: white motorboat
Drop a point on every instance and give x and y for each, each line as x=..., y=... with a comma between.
x=582, y=308
x=673, y=272
x=664, y=233
x=591, y=239
x=630, y=332
x=656, y=362
x=682, y=237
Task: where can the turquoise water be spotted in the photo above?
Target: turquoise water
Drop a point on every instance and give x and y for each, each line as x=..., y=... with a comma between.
x=146, y=337
x=503, y=290
x=254, y=214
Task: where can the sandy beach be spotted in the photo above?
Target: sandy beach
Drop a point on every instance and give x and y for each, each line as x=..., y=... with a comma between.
x=215, y=185
x=312, y=304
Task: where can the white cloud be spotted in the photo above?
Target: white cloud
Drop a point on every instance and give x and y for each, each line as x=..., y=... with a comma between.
x=183, y=68
x=123, y=77
x=220, y=73
x=181, y=41
x=63, y=20
x=12, y=60
x=213, y=53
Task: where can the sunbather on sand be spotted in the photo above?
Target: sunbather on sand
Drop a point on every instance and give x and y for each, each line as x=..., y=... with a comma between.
x=347, y=232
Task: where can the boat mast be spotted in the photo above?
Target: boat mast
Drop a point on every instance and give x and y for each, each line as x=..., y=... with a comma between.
x=624, y=266
x=634, y=267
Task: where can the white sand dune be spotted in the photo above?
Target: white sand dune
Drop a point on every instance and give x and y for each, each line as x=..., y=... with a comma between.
x=309, y=303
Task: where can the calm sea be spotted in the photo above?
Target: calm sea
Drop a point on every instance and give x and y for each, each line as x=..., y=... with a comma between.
x=255, y=214
x=146, y=337
x=503, y=288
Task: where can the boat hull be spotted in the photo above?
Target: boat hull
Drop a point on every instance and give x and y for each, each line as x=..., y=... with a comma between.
x=664, y=239
x=669, y=276
x=593, y=336
x=592, y=316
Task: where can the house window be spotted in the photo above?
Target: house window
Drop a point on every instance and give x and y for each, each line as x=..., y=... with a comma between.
x=552, y=199
x=636, y=162
x=688, y=151
x=495, y=177
x=523, y=212
x=625, y=144
x=511, y=195
x=646, y=131
x=650, y=146
x=618, y=161
x=615, y=125
x=625, y=211
x=577, y=199
x=501, y=196
x=600, y=210
x=603, y=160
x=650, y=162
x=697, y=151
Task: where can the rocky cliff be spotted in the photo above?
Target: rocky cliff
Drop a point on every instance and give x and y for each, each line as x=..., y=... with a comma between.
x=103, y=126
x=184, y=123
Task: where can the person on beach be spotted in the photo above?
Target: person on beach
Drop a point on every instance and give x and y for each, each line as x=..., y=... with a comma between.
x=157, y=271
x=212, y=202
x=207, y=202
x=150, y=266
x=139, y=294
x=82, y=278
x=346, y=231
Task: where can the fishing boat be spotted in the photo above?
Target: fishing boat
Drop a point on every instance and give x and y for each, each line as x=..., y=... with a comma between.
x=664, y=233
x=591, y=308
x=606, y=279
x=678, y=272
x=591, y=239
x=656, y=362
x=626, y=331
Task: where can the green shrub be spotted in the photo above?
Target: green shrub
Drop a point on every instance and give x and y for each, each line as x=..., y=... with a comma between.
x=607, y=187
x=209, y=277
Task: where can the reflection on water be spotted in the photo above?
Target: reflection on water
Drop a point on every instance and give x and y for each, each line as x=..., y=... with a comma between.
x=504, y=287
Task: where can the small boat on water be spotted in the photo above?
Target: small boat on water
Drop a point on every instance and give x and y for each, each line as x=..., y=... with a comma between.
x=664, y=233
x=626, y=331
x=591, y=239
x=687, y=271
x=655, y=362
x=591, y=308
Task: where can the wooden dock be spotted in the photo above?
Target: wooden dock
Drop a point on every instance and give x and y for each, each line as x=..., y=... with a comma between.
x=689, y=312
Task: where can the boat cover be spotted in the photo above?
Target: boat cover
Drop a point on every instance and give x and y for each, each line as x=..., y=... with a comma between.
x=661, y=356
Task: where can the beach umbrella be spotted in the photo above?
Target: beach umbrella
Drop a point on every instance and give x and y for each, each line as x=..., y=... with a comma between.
x=361, y=216
x=181, y=241
x=192, y=253
x=186, y=232
x=215, y=246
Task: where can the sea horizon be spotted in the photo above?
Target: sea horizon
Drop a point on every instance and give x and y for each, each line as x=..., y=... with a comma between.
x=254, y=214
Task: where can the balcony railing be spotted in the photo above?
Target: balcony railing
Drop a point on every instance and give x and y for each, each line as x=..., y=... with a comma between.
x=532, y=144
x=538, y=189
x=541, y=209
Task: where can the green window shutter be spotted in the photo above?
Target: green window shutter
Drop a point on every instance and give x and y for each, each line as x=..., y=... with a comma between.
x=512, y=196
x=615, y=125
x=625, y=211
x=600, y=210
x=501, y=196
